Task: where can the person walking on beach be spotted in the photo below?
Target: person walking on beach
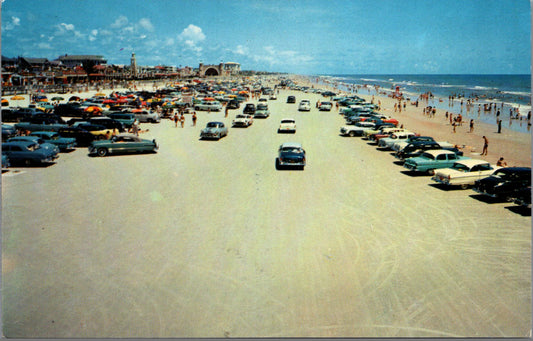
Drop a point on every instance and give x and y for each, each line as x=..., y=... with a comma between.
x=499, y=126
x=176, y=119
x=226, y=112
x=453, y=125
x=194, y=118
x=471, y=126
x=182, y=120
x=485, y=145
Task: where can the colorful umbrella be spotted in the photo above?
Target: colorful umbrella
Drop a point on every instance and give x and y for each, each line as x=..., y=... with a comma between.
x=5, y=102
x=100, y=94
x=58, y=98
x=17, y=98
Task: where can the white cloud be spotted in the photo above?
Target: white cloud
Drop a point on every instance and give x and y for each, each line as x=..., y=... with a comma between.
x=243, y=50
x=146, y=24
x=12, y=23
x=94, y=32
x=192, y=33
x=44, y=46
x=119, y=22
x=66, y=27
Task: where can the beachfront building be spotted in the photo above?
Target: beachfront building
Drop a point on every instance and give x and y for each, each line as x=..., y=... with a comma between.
x=72, y=61
x=222, y=69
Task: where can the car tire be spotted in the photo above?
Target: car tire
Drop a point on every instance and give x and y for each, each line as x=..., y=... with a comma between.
x=28, y=162
x=278, y=166
x=464, y=186
x=101, y=151
x=430, y=172
x=352, y=134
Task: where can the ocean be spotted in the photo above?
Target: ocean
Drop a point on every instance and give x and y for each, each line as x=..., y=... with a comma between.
x=511, y=91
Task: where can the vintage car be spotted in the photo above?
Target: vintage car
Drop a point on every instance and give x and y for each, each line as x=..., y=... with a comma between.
x=304, y=105
x=291, y=99
x=504, y=183
x=291, y=154
x=383, y=132
x=357, y=129
x=208, y=106
x=63, y=143
x=273, y=97
x=100, y=132
x=325, y=106
x=122, y=144
x=387, y=142
x=145, y=116
x=27, y=153
x=249, y=109
x=35, y=139
x=464, y=173
x=8, y=131
x=82, y=136
x=287, y=125
x=214, y=130
x=40, y=124
x=261, y=111
x=242, y=120
x=401, y=144
x=431, y=160
x=233, y=104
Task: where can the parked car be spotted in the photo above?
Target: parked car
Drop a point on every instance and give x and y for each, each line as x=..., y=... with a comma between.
x=249, y=109
x=27, y=153
x=100, y=132
x=8, y=132
x=214, y=130
x=291, y=154
x=63, y=143
x=261, y=111
x=208, y=105
x=287, y=125
x=40, y=124
x=123, y=144
x=401, y=144
x=5, y=163
x=431, y=160
x=35, y=139
x=145, y=116
x=304, y=105
x=242, y=120
x=291, y=99
x=9, y=115
x=464, y=173
x=387, y=142
x=233, y=104
x=108, y=123
x=504, y=183
x=82, y=136
x=70, y=110
x=325, y=106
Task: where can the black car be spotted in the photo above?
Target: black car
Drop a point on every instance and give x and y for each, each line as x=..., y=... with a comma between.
x=291, y=99
x=82, y=136
x=522, y=197
x=69, y=110
x=414, y=149
x=9, y=115
x=233, y=104
x=504, y=183
x=249, y=109
x=107, y=122
x=8, y=131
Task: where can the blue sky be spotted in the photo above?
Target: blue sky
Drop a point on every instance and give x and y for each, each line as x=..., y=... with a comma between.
x=296, y=36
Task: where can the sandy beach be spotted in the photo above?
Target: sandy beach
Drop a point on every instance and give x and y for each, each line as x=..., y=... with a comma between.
x=208, y=239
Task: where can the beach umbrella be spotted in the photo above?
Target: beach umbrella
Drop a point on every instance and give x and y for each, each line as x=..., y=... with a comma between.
x=57, y=98
x=17, y=98
x=108, y=101
x=74, y=98
x=122, y=100
x=209, y=99
x=100, y=94
x=93, y=109
x=5, y=102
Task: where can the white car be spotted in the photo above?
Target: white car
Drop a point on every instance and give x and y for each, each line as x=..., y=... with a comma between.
x=146, y=116
x=387, y=142
x=208, y=105
x=357, y=129
x=273, y=97
x=304, y=105
x=399, y=145
x=464, y=173
x=242, y=120
x=287, y=125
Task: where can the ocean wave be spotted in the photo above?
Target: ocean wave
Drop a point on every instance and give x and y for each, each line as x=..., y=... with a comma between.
x=518, y=93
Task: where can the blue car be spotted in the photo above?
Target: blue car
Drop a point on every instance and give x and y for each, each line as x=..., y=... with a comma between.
x=64, y=143
x=48, y=146
x=27, y=153
x=5, y=162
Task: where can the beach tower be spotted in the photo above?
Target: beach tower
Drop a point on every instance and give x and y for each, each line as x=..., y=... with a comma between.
x=133, y=65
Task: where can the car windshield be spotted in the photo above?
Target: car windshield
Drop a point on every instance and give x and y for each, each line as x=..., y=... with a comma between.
x=460, y=167
x=212, y=125
x=292, y=150
x=501, y=174
x=262, y=107
x=287, y=121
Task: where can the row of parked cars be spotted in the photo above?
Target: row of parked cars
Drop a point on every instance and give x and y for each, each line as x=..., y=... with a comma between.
x=443, y=161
